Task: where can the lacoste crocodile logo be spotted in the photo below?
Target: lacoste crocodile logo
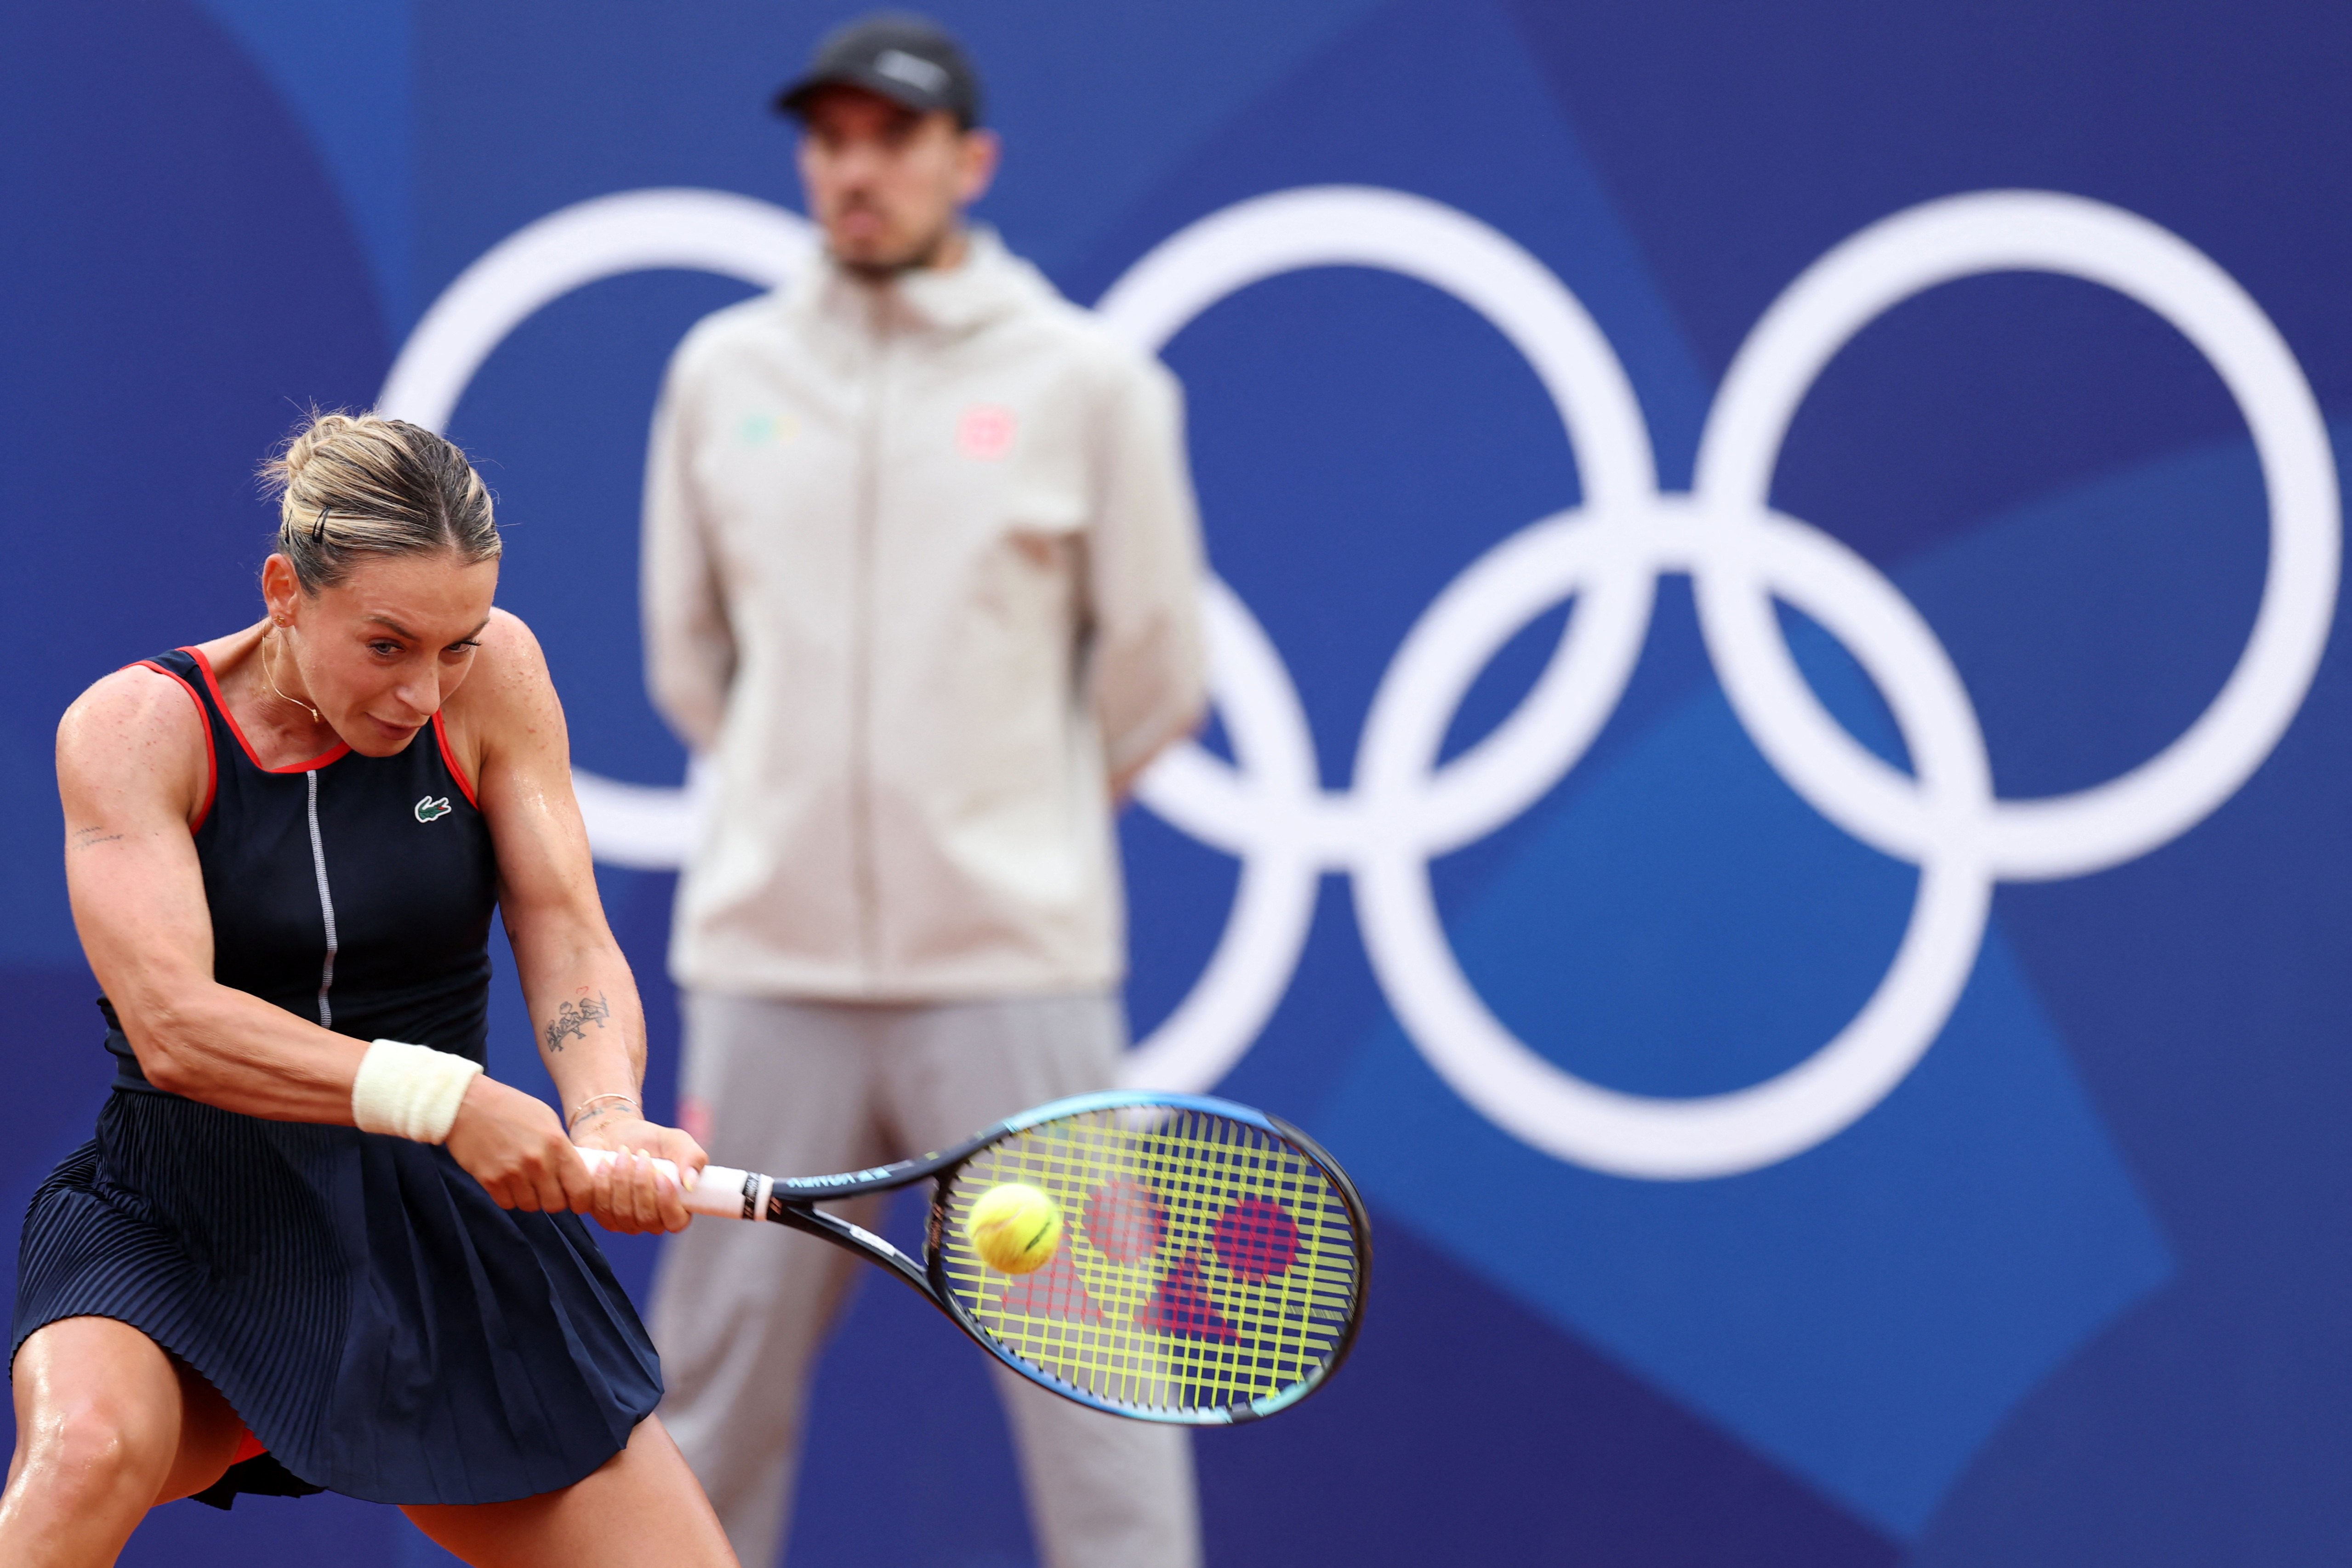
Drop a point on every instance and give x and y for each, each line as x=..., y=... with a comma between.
x=432, y=810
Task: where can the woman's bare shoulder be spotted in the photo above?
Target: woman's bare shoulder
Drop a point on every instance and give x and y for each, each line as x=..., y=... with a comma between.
x=139, y=700
x=510, y=672
x=507, y=704
x=138, y=725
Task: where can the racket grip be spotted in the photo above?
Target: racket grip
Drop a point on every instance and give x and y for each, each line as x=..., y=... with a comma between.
x=719, y=1190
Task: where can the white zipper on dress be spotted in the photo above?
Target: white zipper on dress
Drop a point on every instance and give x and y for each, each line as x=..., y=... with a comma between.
x=326, y=905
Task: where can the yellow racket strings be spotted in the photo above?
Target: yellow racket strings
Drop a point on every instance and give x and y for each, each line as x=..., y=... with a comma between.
x=1205, y=1263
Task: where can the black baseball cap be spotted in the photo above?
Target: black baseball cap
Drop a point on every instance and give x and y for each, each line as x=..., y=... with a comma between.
x=908, y=59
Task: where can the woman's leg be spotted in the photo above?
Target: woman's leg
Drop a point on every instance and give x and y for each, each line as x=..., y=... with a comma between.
x=642, y=1507
x=107, y=1426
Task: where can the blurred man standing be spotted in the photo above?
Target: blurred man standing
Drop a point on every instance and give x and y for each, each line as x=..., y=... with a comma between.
x=920, y=570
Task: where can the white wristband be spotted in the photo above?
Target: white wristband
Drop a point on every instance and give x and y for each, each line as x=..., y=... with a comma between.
x=409, y=1092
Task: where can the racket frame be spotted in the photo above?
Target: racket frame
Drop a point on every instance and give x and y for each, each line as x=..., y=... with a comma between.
x=791, y=1202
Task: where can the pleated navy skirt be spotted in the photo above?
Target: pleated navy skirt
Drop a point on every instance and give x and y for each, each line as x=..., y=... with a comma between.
x=383, y=1327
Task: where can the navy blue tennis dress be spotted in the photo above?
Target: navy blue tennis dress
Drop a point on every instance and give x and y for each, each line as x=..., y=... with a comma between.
x=384, y=1328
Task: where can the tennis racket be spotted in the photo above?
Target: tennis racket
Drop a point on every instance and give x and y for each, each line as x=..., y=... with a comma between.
x=1211, y=1268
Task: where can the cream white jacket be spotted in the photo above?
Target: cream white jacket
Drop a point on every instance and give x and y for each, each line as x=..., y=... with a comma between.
x=920, y=576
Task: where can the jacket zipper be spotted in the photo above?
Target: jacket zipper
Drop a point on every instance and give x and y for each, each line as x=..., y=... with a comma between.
x=861, y=655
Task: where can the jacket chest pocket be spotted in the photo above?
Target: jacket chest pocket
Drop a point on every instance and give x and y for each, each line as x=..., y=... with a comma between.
x=1031, y=550
x=1040, y=532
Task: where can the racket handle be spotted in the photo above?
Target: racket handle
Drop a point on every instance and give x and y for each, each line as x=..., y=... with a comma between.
x=719, y=1190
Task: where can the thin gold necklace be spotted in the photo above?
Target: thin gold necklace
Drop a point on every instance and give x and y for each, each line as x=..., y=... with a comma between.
x=269, y=676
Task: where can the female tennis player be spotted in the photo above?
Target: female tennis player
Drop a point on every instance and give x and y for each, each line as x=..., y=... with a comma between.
x=312, y=1246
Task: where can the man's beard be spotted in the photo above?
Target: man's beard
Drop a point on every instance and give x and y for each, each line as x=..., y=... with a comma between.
x=921, y=255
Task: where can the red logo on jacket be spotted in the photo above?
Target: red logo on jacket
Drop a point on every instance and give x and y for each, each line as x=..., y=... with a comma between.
x=985, y=432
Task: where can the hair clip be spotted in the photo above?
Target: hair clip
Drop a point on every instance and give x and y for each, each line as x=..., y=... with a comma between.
x=319, y=529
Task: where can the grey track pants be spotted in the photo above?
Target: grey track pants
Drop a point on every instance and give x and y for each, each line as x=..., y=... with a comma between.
x=804, y=1089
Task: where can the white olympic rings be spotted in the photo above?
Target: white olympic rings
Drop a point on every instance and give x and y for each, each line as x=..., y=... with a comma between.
x=1402, y=807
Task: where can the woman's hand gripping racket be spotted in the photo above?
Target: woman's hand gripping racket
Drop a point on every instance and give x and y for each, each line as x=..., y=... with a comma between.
x=1210, y=1267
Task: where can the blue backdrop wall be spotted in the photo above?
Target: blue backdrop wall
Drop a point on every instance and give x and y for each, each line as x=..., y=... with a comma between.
x=1897, y=1125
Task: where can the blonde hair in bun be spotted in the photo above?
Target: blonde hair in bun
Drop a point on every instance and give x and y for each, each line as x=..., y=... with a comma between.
x=356, y=485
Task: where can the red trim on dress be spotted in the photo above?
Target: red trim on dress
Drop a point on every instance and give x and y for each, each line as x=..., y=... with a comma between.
x=248, y=1446
x=203, y=717
x=330, y=754
x=449, y=760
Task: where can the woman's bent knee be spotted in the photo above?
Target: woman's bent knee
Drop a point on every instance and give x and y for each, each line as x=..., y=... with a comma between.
x=94, y=1455
x=98, y=1416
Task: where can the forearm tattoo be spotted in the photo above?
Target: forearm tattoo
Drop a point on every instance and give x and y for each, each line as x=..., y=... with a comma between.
x=572, y=1020
x=85, y=838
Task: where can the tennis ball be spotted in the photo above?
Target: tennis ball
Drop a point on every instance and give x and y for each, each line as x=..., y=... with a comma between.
x=1014, y=1227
